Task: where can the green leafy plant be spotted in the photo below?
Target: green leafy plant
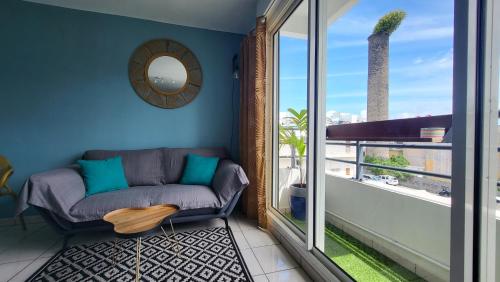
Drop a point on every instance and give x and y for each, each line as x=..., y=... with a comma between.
x=389, y=22
x=295, y=136
x=395, y=161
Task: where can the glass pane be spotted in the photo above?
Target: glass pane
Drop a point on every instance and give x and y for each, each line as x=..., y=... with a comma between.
x=384, y=210
x=291, y=43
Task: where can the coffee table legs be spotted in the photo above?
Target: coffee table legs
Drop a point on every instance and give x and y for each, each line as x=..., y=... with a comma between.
x=137, y=256
x=138, y=260
x=138, y=250
x=168, y=238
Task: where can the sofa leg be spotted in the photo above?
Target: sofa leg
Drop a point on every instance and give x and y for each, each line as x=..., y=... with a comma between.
x=226, y=222
x=65, y=241
x=23, y=223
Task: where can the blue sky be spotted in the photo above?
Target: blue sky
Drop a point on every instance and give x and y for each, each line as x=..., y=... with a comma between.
x=420, y=60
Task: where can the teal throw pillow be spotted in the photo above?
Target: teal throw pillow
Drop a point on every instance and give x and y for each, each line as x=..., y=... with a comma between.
x=199, y=170
x=103, y=175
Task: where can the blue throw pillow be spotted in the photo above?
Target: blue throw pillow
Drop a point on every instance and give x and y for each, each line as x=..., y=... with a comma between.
x=199, y=170
x=103, y=175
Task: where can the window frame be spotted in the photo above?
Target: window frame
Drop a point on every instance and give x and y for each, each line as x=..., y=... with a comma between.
x=287, y=11
x=490, y=35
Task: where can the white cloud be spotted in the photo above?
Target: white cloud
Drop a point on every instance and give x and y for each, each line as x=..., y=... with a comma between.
x=433, y=107
x=435, y=89
x=412, y=29
x=362, y=114
x=410, y=115
x=421, y=67
x=418, y=60
x=426, y=67
x=285, y=115
x=347, y=43
x=352, y=26
x=426, y=90
x=431, y=33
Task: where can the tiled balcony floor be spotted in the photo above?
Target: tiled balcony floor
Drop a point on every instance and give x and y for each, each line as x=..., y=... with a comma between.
x=358, y=260
x=23, y=252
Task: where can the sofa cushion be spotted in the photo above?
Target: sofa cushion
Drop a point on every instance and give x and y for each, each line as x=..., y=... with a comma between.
x=175, y=160
x=199, y=170
x=186, y=197
x=142, y=167
x=103, y=175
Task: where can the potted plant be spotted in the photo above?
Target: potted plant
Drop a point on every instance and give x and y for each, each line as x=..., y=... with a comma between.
x=295, y=137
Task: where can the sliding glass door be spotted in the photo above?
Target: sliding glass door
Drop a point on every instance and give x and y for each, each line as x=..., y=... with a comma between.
x=291, y=117
x=386, y=120
x=379, y=126
x=488, y=249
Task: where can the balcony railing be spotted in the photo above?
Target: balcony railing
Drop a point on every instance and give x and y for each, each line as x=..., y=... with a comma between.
x=359, y=162
x=385, y=134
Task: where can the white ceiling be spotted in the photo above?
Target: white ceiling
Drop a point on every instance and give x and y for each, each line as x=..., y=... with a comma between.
x=297, y=24
x=237, y=16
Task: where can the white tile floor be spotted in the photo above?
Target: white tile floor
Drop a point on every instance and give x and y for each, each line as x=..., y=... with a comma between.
x=23, y=252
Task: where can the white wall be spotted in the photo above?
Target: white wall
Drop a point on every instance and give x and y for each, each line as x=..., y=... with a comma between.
x=412, y=231
x=402, y=227
x=287, y=177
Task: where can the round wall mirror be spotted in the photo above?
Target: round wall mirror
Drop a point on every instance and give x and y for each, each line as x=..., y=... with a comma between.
x=167, y=74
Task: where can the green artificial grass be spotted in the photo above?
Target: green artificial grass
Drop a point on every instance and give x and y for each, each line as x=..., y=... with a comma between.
x=358, y=260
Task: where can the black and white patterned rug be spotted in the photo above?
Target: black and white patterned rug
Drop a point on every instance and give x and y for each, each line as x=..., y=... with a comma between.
x=205, y=255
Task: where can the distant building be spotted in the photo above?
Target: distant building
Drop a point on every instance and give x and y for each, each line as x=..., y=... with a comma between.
x=284, y=119
x=334, y=117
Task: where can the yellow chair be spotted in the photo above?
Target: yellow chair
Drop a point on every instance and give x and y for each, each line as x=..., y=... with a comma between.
x=6, y=170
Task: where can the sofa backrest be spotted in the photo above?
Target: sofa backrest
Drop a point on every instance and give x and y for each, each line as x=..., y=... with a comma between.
x=175, y=160
x=154, y=166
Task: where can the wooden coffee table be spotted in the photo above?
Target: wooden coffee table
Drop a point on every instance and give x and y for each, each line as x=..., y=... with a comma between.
x=137, y=222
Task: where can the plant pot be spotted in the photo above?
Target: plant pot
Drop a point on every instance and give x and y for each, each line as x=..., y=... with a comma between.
x=298, y=200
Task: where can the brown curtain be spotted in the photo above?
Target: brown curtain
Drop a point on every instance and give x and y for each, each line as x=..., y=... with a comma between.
x=252, y=106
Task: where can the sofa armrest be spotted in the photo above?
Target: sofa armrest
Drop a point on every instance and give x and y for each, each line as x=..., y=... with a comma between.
x=229, y=179
x=56, y=190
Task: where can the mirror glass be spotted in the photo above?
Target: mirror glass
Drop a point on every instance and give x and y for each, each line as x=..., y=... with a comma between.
x=167, y=74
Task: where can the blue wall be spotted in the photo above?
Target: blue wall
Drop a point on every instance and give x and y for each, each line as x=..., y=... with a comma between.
x=64, y=88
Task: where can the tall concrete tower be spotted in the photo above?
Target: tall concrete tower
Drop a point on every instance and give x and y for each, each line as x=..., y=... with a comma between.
x=378, y=72
x=378, y=77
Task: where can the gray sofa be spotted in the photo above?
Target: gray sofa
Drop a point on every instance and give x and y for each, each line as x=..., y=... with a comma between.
x=152, y=174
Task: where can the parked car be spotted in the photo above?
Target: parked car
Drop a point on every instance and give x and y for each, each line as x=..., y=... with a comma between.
x=388, y=179
x=369, y=177
x=444, y=193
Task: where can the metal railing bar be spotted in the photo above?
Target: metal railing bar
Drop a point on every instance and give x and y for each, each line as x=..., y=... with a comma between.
x=412, y=171
x=407, y=146
x=289, y=157
x=393, y=168
x=359, y=163
x=340, y=143
x=340, y=160
x=386, y=145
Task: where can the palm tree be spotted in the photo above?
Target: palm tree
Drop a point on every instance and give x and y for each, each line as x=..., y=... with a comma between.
x=295, y=137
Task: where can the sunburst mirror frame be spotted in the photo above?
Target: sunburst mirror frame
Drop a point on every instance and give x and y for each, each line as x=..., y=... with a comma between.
x=138, y=73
